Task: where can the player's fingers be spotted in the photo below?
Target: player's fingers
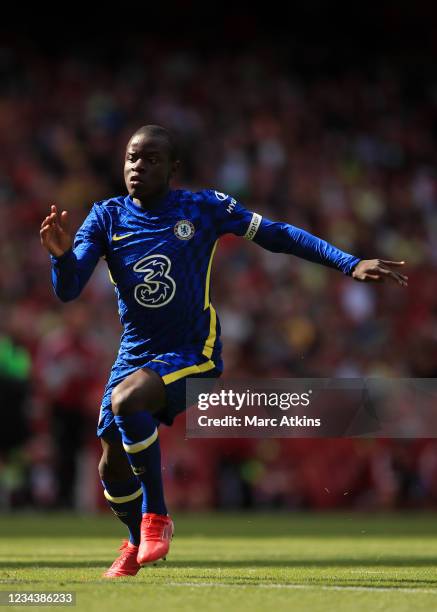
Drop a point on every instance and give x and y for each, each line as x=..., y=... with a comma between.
x=374, y=277
x=63, y=221
x=54, y=219
x=47, y=224
x=401, y=278
x=53, y=213
x=388, y=272
x=398, y=278
x=44, y=234
x=48, y=227
x=391, y=263
x=51, y=220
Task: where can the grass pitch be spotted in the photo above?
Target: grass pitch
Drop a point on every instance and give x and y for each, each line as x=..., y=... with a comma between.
x=339, y=562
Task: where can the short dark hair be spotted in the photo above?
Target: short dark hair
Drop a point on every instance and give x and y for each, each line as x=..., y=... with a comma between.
x=157, y=131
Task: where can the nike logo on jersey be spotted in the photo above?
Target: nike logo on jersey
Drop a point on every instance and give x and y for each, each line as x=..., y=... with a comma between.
x=116, y=237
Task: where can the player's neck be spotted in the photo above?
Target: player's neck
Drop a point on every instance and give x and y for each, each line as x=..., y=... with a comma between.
x=152, y=202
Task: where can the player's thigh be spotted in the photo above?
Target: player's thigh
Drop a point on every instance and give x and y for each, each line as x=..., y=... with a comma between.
x=114, y=464
x=144, y=389
x=180, y=394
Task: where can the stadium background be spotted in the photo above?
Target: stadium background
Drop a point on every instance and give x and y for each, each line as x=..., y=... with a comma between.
x=327, y=125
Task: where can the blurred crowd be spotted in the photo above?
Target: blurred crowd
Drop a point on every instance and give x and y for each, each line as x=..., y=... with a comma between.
x=349, y=157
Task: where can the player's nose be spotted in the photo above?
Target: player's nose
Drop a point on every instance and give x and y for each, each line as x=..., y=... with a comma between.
x=138, y=166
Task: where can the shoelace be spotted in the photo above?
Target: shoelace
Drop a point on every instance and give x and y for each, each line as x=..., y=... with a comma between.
x=153, y=530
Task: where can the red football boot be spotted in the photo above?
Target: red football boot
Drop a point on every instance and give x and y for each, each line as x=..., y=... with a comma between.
x=156, y=533
x=126, y=564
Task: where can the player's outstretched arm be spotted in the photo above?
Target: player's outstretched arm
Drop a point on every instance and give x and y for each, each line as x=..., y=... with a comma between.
x=286, y=238
x=72, y=264
x=378, y=270
x=54, y=233
x=232, y=217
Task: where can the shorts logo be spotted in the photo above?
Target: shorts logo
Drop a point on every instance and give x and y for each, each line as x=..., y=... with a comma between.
x=158, y=287
x=184, y=229
x=220, y=196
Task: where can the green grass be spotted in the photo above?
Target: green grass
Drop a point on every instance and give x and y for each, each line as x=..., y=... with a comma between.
x=338, y=562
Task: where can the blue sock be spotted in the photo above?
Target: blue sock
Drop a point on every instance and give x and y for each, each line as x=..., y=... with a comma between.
x=125, y=500
x=141, y=443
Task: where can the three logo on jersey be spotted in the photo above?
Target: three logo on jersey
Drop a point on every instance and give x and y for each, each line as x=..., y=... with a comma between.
x=158, y=287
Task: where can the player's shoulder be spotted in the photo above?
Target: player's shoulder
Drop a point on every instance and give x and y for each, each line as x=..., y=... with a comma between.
x=206, y=197
x=104, y=210
x=108, y=203
x=100, y=215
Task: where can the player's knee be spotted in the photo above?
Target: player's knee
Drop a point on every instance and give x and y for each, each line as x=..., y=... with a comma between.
x=122, y=400
x=139, y=391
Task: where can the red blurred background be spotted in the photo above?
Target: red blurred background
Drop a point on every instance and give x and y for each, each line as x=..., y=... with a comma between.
x=324, y=119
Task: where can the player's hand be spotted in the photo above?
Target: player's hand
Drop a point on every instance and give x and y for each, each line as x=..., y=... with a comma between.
x=54, y=233
x=378, y=270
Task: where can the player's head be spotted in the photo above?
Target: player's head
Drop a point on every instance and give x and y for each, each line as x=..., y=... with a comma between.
x=150, y=161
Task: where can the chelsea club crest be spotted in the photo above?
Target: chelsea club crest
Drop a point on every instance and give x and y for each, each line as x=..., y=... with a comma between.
x=184, y=229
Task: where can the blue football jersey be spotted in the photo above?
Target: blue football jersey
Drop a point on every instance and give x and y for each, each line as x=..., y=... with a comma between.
x=160, y=263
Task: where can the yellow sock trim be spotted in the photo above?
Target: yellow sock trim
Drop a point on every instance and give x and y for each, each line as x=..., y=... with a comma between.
x=124, y=499
x=140, y=446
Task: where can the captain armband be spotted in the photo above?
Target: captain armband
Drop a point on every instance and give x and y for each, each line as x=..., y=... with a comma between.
x=254, y=224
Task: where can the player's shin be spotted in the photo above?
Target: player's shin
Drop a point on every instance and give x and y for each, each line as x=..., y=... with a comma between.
x=140, y=440
x=125, y=499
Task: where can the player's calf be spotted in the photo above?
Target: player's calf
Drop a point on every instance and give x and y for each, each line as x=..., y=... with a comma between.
x=122, y=490
x=139, y=432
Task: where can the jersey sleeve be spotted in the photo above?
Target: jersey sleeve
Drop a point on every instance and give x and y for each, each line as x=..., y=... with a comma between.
x=285, y=238
x=232, y=217
x=72, y=270
x=228, y=215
